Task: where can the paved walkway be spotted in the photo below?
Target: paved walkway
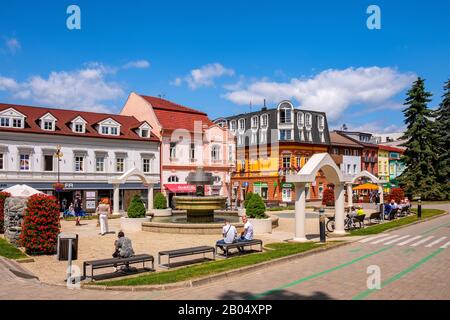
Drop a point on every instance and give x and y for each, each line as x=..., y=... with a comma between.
x=413, y=264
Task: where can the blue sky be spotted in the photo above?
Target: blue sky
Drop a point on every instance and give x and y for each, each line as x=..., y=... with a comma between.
x=218, y=56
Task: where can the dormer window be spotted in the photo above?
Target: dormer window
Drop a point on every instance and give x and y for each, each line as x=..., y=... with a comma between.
x=300, y=119
x=255, y=122
x=308, y=121
x=285, y=113
x=321, y=122
x=48, y=122
x=233, y=125
x=144, y=130
x=10, y=118
x=79, y=125
x=241, y=124
x=109, y=127
x=264, y=121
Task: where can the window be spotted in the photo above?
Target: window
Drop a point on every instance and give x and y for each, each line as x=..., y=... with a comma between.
x=24, y=162
x=355, y=152
x=173, y=150
x=308, y=120
x=79, y=163
x=145, y=133
x=17, y=123
x=217, y=179
x=255, y=122
x=4, y=122
x=79, y=128
x=335, y=151
x=233, y=125
x=299, y=161
x=346, y=152
x=300, y=119
x=100, y=164
x=192, y=152
x=354, y=169
x=285, y=115
x=48, y=163
x=48, y=125
x=230, y=152
x=173, y=179
x=114, y=131
x=146, y=165
x=2, y=161
x=285, y=134
x=241, y=124
x=120, y=165
x=321, y=122
x=105, y=130
x=348, y=169
x=242, y=165
x=287, y=195
x=264, y=121
x=287, y=161
x=215, y=153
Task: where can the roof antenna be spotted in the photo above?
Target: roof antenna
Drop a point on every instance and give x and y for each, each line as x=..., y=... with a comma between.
x=250, y=105
x=162, y=95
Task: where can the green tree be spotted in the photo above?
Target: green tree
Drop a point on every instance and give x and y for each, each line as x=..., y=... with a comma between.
x=442, y=127
x=248, y=196
x=420, y=156
x=159, y=202
x=255, y=207
x=136, y=209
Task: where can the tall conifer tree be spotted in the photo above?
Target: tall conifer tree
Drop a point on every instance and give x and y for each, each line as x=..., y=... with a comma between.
x=420, y=157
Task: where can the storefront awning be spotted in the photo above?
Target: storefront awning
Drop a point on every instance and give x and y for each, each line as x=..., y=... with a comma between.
x=180, y=188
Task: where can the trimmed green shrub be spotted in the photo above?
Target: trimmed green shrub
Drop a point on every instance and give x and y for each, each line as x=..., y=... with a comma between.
x=248, y=196
x=159, y=201
x=256, y=207
x=136, y=209
x=3, y=196
x=40, y=227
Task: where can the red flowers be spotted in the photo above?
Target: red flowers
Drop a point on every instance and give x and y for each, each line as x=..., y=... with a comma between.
x=3, y=196
x=40, y=226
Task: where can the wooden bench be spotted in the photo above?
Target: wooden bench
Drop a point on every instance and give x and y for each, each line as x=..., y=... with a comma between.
x=184, y=252
x=235, y=245
x=116, y=262
x=375, y=216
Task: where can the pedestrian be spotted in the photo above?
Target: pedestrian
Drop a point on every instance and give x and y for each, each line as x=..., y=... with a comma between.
x=78, y=209
x=229, y=234
x=123, y=249
x=103, y=211
x=247, y=234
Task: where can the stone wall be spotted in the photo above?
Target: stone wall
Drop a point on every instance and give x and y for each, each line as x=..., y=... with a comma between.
x=14, y=212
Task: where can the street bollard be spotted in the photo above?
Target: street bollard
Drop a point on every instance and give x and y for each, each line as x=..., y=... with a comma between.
x=419, y=209
x=322, y=224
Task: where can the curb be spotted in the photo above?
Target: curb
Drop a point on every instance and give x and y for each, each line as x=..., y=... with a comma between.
x=227, y=274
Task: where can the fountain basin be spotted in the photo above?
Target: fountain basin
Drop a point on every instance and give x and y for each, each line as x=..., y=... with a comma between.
x=200, y=209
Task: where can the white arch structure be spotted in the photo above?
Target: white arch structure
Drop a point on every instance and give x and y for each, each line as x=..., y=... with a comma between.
x=116, y=182
x=324, y=162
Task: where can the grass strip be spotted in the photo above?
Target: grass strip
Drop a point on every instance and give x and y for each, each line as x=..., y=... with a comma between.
x=426, y=213
x=7, y=250
x=208, y=268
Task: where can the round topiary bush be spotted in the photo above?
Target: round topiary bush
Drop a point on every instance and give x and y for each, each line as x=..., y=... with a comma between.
x=40, y=227
x=159, y=201
x=328, y=197
x=255, y=207
x=248, y=196
x=136, y=209
x=3, y=196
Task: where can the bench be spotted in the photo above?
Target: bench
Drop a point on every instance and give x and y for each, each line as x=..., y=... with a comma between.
x=235, y=245
x=184, y=252
x=375, y=216
x=116, y=262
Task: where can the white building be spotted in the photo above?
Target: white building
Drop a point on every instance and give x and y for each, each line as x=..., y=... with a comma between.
x=99, y=151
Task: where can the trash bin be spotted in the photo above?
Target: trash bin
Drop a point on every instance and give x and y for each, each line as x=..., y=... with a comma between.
x=63, y=246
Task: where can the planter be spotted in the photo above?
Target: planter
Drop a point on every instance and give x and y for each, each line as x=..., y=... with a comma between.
x=132, y=224
x=261, y=225
x=160, y=212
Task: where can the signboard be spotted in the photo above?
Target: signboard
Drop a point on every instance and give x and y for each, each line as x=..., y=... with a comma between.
x=90, y=204
x=261, y=184
x=245, y=184
x=287, y=185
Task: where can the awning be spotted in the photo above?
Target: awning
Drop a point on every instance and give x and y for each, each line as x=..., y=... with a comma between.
x=180, y=188
x=366, y=186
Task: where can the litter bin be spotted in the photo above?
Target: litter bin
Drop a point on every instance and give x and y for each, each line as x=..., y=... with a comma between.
x=64, y=239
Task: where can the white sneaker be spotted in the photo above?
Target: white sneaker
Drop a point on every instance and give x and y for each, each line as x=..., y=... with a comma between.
x=114, y=269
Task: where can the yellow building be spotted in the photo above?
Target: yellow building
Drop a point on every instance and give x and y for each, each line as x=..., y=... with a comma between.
x=383, y=165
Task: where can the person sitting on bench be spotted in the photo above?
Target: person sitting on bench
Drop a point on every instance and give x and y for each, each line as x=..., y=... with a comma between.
x=229, y=234
x=124, y=248
x=247, y=234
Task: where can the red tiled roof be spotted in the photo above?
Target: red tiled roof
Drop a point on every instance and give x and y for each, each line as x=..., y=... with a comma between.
x=337, y=139
x=64, y=118
x=173, y=116
x=389, y=148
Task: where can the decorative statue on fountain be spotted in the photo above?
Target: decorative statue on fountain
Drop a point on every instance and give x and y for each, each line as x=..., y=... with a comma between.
x=200, y=208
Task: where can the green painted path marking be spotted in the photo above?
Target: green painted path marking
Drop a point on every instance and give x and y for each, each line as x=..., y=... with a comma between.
x=258, y=296
x=435, y=228
x=367, y=292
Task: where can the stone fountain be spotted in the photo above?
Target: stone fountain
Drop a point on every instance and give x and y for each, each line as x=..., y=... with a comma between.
x=200, y=208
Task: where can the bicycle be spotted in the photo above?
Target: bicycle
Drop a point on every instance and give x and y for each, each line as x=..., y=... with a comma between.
x=350, y=223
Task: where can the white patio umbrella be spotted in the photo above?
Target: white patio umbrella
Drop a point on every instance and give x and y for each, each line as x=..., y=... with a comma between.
x=21, y=190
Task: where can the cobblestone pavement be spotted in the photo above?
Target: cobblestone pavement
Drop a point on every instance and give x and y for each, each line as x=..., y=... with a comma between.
x=413, y=264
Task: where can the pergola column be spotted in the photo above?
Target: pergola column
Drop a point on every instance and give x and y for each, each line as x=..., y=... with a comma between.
x=381, y=191
x=300, y=212
x=150, y=198
x=350, y=194
x=339, y=196
x=116, y=200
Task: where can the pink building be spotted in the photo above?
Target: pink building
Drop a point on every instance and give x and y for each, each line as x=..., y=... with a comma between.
x=189, y=139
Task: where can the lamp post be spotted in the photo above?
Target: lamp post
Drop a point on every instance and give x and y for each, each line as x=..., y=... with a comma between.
x=58, y=154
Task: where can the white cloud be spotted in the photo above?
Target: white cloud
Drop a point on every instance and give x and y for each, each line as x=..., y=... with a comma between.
x=86, y=89
x=139, y=64
x=13, y=45
x=377, y=127
x=331, y=91
x=204, y=76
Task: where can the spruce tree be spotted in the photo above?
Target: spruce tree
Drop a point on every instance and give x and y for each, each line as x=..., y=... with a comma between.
x=420, y=156
x=442, y=126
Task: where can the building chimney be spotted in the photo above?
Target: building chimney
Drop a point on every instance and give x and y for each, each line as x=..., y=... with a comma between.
x=264, y=108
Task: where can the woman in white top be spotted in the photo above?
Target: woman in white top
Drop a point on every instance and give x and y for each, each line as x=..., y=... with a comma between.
x=103, y=211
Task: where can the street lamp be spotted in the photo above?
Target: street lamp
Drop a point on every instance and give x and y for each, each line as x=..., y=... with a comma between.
x=58, y=154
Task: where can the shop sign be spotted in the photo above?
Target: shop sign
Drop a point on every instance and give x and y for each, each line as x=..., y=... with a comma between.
x=287, y=185
x=260, y=184
x=245, y=184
